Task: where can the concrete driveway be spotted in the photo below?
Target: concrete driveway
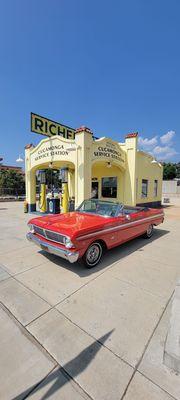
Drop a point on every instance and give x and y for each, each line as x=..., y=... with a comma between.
x=71, y=333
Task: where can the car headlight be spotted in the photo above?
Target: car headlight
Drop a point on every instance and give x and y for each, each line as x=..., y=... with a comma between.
x=68, y=243
x=31, y=228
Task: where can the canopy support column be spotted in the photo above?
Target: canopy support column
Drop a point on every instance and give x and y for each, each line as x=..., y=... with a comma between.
x=83, y=141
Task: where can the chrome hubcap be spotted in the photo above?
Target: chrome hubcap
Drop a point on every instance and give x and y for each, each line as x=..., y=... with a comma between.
x=149, y=230
x=93, y=254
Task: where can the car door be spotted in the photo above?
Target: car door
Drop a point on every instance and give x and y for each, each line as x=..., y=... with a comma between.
x=132, y=226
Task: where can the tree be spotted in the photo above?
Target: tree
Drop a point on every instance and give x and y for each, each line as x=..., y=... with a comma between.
x=52, y=179
x=169, y=171
x=178, y=170
x=12, y=182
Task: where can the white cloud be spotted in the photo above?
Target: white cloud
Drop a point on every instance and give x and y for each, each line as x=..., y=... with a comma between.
x=167, y=138
x=160, y=147
x=168, y=156
x=161, y=150
x=147, y=143
x=164, y=152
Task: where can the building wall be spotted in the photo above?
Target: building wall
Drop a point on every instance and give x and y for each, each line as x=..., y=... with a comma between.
x=130, y=170
x=11, y=167
x=145, y=169
x=88, y=159
x=99, y=171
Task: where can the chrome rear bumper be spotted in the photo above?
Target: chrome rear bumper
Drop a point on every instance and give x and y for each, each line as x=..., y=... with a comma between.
x=50, y=248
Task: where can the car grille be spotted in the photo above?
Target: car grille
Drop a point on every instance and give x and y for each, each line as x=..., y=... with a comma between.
x=55, y=237
x=39, y=231
x=50, y=235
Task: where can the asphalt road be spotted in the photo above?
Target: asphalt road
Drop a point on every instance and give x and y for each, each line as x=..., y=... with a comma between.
x=67, y=332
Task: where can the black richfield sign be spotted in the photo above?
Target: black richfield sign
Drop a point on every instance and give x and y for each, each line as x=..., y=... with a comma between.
x=47, y=127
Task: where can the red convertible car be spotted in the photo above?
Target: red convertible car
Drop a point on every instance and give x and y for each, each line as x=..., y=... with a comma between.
x=95, y=226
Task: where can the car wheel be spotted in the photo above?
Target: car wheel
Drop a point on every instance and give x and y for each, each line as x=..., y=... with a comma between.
x=149, y=232
x=93, y=255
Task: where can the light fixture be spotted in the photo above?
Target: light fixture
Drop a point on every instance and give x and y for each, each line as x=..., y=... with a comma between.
x=20, y=159
x=109, y=165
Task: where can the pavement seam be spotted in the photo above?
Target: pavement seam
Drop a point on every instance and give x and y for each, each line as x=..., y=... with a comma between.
x=35, y=319
x=5, y=279
x=71, y=294
x=24, y=325
x=88, y=334
x=59, y=365
x=155, y=260
x=21, y=283
x=139, y=287
x=146, y=346
x=33, y=340
x=87, y=283
x=65, y=374
x=68, y=296
x=18, y=273
x=7, y=252
x=39, y=383
x=54, y=307
x=25, y=331
x=83, y=330
x=91, y=280
x=94, y=338
x=35, y=266
x=154, y=383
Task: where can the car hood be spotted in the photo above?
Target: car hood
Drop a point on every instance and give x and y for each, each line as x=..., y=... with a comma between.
x=73, y=223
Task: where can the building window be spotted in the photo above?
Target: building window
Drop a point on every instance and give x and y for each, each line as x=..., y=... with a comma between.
x=144, y=188
x=155, y=188
x=109, y=187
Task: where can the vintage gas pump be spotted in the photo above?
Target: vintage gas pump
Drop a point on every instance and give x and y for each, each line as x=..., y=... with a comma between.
x=42, y=199
x=65, y=192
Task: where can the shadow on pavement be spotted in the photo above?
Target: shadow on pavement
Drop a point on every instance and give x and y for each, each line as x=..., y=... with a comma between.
x=59, y=378
x=111, y=256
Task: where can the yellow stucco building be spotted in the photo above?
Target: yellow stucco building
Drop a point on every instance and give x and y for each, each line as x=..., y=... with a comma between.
x=100, y=167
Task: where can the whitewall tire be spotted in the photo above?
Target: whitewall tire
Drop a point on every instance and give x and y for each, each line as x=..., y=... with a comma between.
x=93, y=255
x=149, y=232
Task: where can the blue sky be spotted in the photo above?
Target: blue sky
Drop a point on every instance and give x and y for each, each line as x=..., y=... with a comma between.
x=110, y=65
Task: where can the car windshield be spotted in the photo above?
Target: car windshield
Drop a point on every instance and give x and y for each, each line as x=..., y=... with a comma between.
x=104, y=208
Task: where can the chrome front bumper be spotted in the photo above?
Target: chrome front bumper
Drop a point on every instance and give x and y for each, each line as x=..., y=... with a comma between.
x=50, y=248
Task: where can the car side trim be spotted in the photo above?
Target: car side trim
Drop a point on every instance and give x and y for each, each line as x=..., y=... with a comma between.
x=123, y=226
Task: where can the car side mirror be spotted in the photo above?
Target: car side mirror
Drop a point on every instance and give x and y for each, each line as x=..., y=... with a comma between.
x=120, y=214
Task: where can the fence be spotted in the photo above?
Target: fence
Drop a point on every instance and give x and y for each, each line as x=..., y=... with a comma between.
x=171, y=187
x=9, y=192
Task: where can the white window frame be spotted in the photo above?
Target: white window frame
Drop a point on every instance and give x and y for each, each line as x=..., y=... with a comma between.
x=109, y=177
x=144, y=195
x=155, y=187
